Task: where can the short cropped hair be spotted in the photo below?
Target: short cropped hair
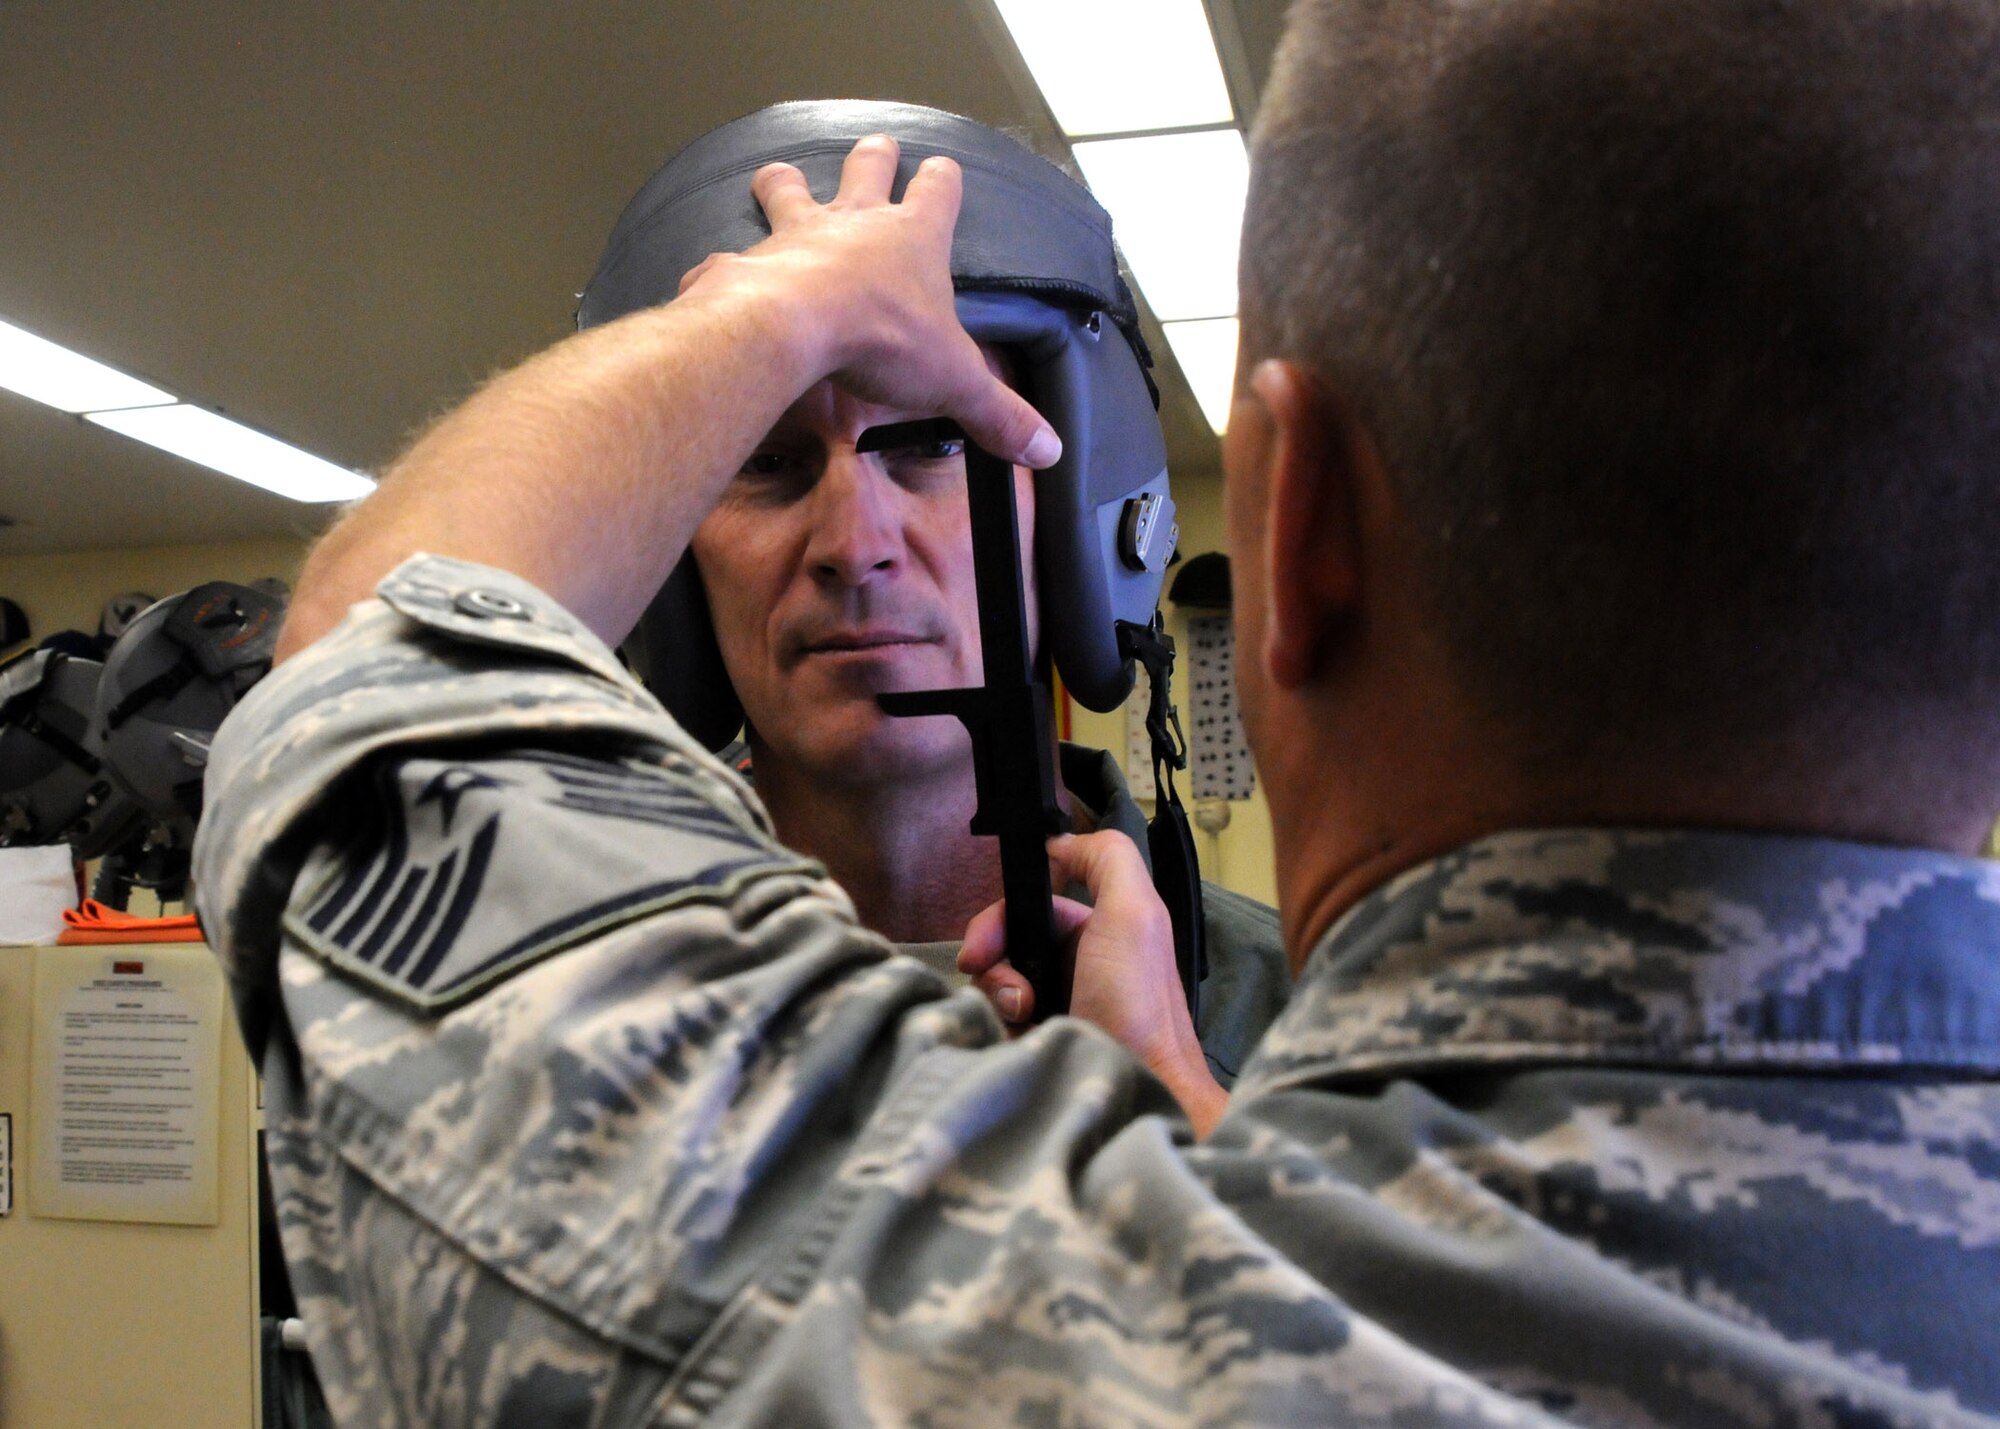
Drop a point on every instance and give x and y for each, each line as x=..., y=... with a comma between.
x=1678, y=326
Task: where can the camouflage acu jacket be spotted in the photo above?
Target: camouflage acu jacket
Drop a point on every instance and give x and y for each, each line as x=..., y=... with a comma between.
x=589, y=1104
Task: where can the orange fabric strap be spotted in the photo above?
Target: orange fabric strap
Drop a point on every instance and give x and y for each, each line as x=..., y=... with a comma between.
x=96, y=923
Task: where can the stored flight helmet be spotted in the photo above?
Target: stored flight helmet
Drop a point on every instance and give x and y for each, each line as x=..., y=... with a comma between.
x=178, y=669
x=1035, y=273
x=54, y=787
x=119, y=613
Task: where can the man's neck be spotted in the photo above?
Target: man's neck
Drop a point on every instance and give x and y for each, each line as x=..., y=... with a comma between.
x=903, y=849
x=1345, y=828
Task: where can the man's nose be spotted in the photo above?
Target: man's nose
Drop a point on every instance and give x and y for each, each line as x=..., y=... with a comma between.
x=857, y=526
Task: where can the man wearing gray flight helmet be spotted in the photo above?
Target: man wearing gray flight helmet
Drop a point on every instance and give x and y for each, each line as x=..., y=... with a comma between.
x=1609, y=366
x=831, y=576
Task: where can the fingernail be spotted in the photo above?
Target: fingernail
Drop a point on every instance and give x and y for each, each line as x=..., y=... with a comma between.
x=1010, y=1003
x=1044, y=449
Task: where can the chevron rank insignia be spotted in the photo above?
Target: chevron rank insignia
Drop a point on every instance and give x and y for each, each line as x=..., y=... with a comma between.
x=432, y=888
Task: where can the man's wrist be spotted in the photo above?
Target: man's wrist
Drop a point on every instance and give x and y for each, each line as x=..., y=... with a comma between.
x=1201, y=1097
x=784, y=312
x=1183, y=1068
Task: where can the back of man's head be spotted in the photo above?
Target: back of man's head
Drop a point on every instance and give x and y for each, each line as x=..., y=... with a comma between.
x=1678, y=327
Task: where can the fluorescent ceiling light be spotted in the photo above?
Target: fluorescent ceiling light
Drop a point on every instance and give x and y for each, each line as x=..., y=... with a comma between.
x=1206, y=351
x=39, y=369
x=1113, y=66
x=1176, y=203
x=235, y=450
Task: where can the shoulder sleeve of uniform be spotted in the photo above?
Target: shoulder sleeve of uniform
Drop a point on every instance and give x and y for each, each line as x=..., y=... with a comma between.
x=450, y=655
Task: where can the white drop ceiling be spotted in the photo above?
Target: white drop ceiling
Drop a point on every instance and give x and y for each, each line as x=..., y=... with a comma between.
x=330, y=221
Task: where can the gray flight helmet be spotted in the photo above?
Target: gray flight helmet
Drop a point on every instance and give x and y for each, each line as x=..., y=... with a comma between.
x=54, y=786
x=173, y=677
x=1036, y=274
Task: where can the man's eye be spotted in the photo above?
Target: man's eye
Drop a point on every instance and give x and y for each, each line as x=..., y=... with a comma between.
x=949, y=449
x=927, y=465
x=766, y=464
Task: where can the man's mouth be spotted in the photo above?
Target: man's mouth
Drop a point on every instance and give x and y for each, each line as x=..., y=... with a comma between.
x=861, y=642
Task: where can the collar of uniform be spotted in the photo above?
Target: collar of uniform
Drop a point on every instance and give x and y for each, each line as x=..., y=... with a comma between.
x=940, y=958
x=1658, y=948
x=1094, y=780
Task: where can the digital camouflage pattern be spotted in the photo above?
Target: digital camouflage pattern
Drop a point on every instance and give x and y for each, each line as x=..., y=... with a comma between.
x=1585, y=1127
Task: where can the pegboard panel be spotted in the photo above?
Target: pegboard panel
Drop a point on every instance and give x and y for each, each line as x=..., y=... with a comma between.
x=1218, y=753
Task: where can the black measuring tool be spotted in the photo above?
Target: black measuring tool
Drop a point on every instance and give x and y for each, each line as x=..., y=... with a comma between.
x=1010, y=718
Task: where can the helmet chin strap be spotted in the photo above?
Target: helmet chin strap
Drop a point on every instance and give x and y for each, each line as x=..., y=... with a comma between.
x=1011, y=721
x=1169, y=842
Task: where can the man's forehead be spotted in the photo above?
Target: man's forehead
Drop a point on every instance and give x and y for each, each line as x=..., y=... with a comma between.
x=827, y=407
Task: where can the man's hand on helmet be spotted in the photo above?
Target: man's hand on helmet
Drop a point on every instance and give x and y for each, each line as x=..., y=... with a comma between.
x=587, y=468
x=872, y=277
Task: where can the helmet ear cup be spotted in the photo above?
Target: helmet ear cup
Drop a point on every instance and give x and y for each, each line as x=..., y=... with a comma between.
x=1082, y=373
x=673, y=648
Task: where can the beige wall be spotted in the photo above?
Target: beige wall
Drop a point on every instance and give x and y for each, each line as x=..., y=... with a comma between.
x=67, y=591
x=104, y=1323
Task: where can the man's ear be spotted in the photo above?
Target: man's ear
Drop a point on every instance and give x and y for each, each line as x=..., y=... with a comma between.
x=1312, y=559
